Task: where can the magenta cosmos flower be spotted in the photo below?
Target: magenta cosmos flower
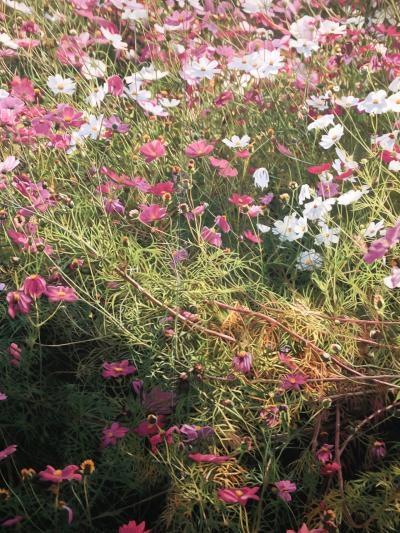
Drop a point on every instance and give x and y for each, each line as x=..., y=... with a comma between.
x=199, y=148
x=211, y=236
x=241, y=495
x=53, y=475
x=133, y=527
x=380, y=247
x=285, y=489
x=242, y=362
x=18, y=303
x=304, y=529
x=209, y=458
x=34, y=286
x=153, y=150
x=151, y=213
x=324, y=454
x=61, y=294
x=8, y=451
x=112, y=434
x=115, y=370
x=293, y=382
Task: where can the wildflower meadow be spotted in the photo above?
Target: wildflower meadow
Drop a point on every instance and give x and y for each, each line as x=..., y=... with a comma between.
x=200, y=266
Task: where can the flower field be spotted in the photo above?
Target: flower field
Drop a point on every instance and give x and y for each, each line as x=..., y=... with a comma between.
x=199, y=266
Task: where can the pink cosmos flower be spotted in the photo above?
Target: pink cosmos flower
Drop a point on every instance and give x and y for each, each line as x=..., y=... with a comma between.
x=242, y=362
x=61, y=294
x=12, y=521
x=211, y=236
x=15, y=354
x=8, y=451
x=34, y=286
x=133, y=527
x=324, y=454
x=380, y=247
x=115, y=85
x=153, y=150
x=163, y=436
x=285, y=489
x=18, y=303
x=3, y=396
x=252, y=237
x=115, y=370
x=225, y=169
x=222, y=223
x=304, y=529
x=112, y=434
x=151, y=213
x=23, y=88
x=319, y=169
x=113, y=205
x=241, y=495
x=199, y=148
x=293, y=382
x=150, y=426
x=329, y=469
x=209, y=458
x=68, y=473
x=243, y=200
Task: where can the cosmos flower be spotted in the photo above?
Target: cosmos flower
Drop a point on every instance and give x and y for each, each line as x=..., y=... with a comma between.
x=240, y=495
x=112, y=434
x=133, y=527
x=285, y=489
x=152, y=213
x=293, y=382
x=153, y=150
x=59, y=85
x=7, y=451
x=242, y=362
x=68, y=473
x=209, y=458
x=199, y=148
x=60, y=294
x=18, y=303
x=34, y=286
x=118, y=369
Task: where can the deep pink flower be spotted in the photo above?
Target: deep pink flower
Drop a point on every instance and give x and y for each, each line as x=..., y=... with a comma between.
x=243, y=200
x=319, y=169
x=242, y=362
x=23, y=88
x=151, y=213
x=133, y=527
x=34, y=286
x=15, y=354
x=153, y=150
x=241, y=495
x=293, y=382
x=252, y=237
x=150, y=426
x=328, y=469
x=12, y=521
x=68, y=473
x=112, y=434
x=285, y=489
x=211, y=236
x=225, y=169
x=8, y=451
x=115, y=85
x=61, y=294
x=324, y=454
x=18, y=303
x=209, y=458
x=199, y=148
x=304, y=529
x=162, y=436
x=117, y=369
x=222, y=223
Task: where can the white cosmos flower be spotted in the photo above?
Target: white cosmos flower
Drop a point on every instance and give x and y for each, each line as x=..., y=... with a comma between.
x=134, y=12
x=93, y=68
x=352, y=196
x=395, y=85
x=318, y=102
x=97, y=96
x=263, y=228
x=291, y=228
x=9, y=164
x=266, y=63
x=8, y=42
x=201, y=69
x=332, y=137
x=327, y=236
x=304, y=28
x=305, y=193
x=375, y=102
x=394, y=165
x=18, y=6
x=347, y=101
x=59, y=85
x=394, y=102
x=261, y=178
x=91, y=128
x=167, y=102
x=321, y=122
x=303, y=47
x=309, y=260
x=372, y=229
x=149, y=73
x=237, y=142
x=115, y=39
x=318, y=208
x=153, y=108
x=330, y=27
x=255, y=6
x=386, y=141
x=393, y=281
